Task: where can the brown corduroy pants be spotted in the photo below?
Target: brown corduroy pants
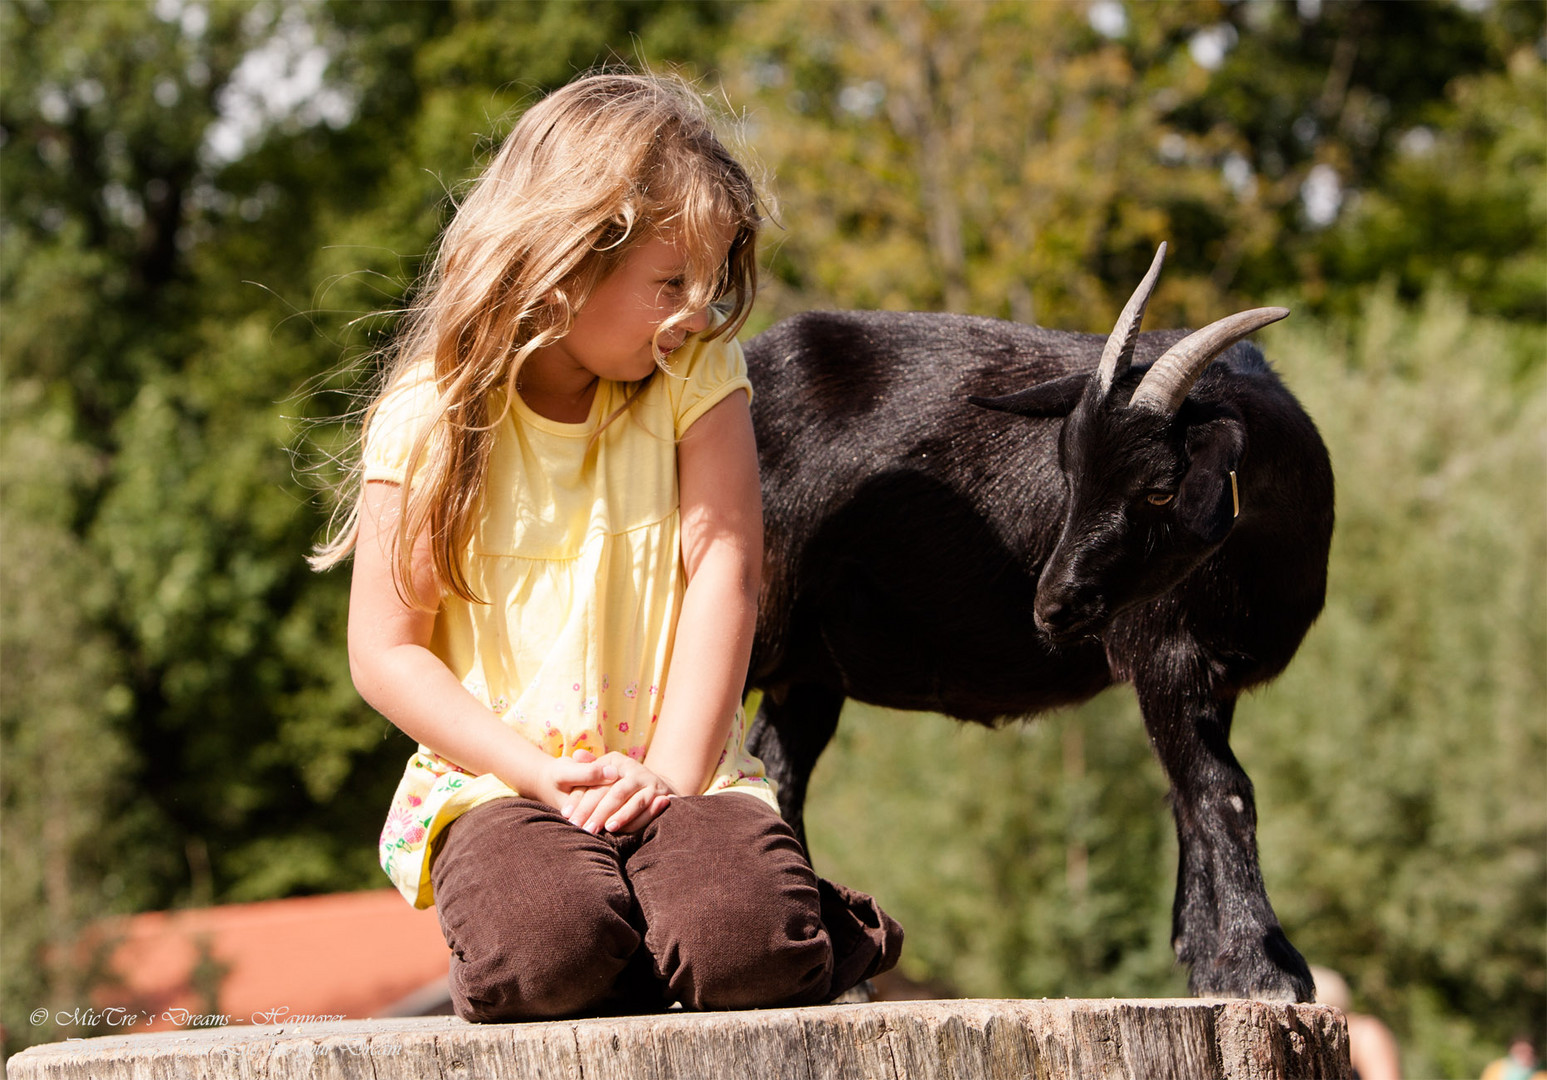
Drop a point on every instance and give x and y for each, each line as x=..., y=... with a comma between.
x=713, y=905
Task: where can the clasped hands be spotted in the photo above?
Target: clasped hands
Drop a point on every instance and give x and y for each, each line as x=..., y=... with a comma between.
x=612, y=792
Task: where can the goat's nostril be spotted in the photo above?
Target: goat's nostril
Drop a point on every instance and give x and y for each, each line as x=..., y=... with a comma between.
x=1052, y=613
x=1063, y=614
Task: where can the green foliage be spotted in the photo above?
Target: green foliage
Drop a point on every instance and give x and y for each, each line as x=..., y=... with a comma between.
x=1035, y=861
x=1355, y=92
x=1402, y=754
x=999, y=158
x=1466, y=201
x=59, y=863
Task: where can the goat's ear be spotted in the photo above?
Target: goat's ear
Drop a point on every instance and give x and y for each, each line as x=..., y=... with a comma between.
x=1056, y=397
x=1206, y=500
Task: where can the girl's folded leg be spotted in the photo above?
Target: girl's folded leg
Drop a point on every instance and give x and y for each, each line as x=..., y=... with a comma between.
x=539, y=918
x=866, y=940
x=734, y=914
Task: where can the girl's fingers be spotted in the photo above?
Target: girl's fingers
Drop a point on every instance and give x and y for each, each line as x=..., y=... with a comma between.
x=572, y=801
x=612, y=800
x=626, y=800
x=649, y=809
x=615, y=793
x=627, y=818
x=581, y=802
x=569, y=775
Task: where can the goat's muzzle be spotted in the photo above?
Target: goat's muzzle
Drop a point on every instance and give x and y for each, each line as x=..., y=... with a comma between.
x=1064, y=613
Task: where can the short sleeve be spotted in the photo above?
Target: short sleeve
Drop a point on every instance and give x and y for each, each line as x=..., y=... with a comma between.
x=703, y=373
x=400, y=416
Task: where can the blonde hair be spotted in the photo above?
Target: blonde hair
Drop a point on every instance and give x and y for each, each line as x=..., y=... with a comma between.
x=590, y=171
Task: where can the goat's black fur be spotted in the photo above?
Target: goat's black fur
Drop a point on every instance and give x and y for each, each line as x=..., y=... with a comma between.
x=924, y=553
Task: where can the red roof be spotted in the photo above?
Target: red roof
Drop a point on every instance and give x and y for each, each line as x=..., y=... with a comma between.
x=353, y=955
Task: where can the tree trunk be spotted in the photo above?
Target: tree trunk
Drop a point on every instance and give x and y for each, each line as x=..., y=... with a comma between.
x=914, y=1040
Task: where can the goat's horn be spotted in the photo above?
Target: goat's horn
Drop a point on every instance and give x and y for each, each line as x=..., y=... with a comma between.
x=1172, y=376
x=1118, y=354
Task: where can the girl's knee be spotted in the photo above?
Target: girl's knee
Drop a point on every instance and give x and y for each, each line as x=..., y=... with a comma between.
x=741, y=943
x=485, y=992
x=754, y=970
x=732, y=907
x=539, y=925
x=565, y=967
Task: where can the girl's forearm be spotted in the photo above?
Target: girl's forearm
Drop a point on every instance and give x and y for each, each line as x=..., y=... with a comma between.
x=397, y=674
x=414, y=689
x=710, y=653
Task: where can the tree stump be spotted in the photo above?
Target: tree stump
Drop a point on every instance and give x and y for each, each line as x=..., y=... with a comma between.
x=1185, y=1039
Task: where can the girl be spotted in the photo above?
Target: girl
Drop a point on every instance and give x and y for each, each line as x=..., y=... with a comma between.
x=557, y=539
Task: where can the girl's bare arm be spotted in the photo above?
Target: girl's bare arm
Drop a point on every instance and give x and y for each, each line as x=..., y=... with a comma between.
x=398, y=675
x=722, y=553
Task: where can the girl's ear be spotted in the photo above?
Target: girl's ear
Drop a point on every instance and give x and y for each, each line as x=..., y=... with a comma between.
x=1206, y=500
x=1056, y=397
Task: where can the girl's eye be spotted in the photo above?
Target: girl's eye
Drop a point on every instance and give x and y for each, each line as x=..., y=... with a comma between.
x=1159, y=498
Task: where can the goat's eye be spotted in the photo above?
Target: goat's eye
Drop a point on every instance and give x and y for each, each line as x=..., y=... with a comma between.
x=1159, y=498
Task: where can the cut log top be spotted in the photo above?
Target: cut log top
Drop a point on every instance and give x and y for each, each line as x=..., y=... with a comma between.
x=1066, y=1039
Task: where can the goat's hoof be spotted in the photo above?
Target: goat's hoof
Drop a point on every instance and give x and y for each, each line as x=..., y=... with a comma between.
x=1274, y=971
x=861, y=994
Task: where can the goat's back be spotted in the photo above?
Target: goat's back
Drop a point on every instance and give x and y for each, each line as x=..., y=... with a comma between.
x=893, y=374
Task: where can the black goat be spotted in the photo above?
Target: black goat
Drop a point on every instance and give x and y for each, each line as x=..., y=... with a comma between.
x=1165, y=525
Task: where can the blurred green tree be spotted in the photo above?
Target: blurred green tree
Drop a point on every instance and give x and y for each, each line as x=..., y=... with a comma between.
x=104, y=114
x=999, y=158
x=1464, y=198
x=1402, y=753
x=1024, y=160
x=1352, y=116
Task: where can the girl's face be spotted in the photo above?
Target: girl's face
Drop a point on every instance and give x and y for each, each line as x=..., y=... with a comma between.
x=612, y=336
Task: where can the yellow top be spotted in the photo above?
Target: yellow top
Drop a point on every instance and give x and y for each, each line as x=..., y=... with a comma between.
x=577, y=551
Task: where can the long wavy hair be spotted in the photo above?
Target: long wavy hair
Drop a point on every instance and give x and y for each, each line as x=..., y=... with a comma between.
x=590, y=171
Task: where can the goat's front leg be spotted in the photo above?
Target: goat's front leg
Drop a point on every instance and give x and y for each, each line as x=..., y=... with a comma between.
x=1222, y=925
x=788, y=736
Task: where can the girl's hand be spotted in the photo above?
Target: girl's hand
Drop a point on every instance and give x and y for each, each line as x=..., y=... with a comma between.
x=561, y=781
x=628, y=798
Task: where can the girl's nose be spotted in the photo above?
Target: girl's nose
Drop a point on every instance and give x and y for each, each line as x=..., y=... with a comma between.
x=697, y=322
